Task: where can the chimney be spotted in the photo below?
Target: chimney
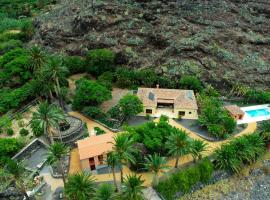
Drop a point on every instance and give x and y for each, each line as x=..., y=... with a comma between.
x=157, y=86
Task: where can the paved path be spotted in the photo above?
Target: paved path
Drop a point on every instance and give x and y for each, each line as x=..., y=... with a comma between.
x=147, y=177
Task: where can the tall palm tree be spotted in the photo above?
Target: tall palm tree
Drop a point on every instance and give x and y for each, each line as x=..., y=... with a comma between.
x=17, y=170
x=113, y=161
x=132, y=188
x=156, y=164
x=37, y=58
x=178, y=144
x=197, y=148
x=56, y=154
x=57, y=71
x=80, y=186
x=48, y=116
x=105, y=192
x=123, y=147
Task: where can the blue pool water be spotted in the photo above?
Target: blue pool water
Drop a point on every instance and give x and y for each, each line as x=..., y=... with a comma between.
x=258, y=112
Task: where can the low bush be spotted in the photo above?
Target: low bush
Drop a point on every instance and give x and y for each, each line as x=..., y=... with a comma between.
x=99, y=131
x=89, y=93
x=9, y=147
x=75, y=64
x=184, y=180
x=10, y=132
x=99, y=61
x=36, y=128
x=191, y=83
x=24, y=132
x=242, y=150
x=94, y=112
x=257, y=96
x=214, y=117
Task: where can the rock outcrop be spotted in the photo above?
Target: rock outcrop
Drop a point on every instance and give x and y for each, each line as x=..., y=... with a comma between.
x=224, y=42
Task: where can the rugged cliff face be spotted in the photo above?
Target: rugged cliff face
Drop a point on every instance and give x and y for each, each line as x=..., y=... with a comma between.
x=224, y=42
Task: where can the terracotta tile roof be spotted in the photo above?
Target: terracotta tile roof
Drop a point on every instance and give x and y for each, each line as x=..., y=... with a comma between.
x=234, y=110
x=184, y=99
x=95, y=145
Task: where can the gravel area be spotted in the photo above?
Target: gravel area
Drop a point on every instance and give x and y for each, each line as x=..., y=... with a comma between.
x=193, y=126
x=138, y=120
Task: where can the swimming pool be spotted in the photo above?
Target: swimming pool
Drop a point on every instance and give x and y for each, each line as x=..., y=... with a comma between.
x=258, y=112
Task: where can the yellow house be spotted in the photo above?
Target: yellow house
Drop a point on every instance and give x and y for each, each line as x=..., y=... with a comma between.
x=174, y=103
x=93, y=151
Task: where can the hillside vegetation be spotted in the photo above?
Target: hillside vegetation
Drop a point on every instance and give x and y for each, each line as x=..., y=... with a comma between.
x=223, y=42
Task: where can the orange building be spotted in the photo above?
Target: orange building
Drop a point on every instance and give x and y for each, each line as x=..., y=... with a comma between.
x=93, y=151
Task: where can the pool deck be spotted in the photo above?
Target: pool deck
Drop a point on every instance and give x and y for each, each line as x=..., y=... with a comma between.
x=248, y=119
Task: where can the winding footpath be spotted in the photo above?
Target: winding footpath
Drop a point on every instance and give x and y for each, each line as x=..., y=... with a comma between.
x=146, y=176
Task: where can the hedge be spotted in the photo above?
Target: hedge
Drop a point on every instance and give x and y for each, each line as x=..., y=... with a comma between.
x=184, y=180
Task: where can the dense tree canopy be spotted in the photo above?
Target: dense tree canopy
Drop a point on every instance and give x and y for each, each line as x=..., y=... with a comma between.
x=130, y=105
x=99, y=61
x=89, y=93
x=215, y=118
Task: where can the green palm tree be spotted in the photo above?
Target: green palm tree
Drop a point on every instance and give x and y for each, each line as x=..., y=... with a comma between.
x=178, y=144
x=123, y=147
x=80, y=186
x=57, y=71
x=197, y=148
x=105, y=192
x=226, y=158
x=48, y=117
x=132, y=188
x=16, y=170
x=56, y=154
x=113, y=161
x=37, y=58
x=156, y=164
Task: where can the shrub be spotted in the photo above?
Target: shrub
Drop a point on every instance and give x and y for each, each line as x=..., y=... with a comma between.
x=75, y=64
x=257, y=96
x=99, y=131
x=94, y=112
x=164, y=118
x=242, y=150
x=191, y=83
x=36, y=128
x=89, y=93
x=10, y=132
x=9, y=147
x=184, y=180
x=214, y=117
x=130, y=105
x=99, y=61
x=126, y=78
x=206, y=170
x=147, y=77
x=166, y=82
x=24, y=132
x=27, y=30
x=152, y=135
x=9, y=45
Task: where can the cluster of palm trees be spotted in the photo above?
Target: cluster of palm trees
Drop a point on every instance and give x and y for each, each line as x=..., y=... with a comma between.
x=82, y=186
x=178, y=144
x=48, y=71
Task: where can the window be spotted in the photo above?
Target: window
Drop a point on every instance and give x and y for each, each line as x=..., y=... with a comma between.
x=100, y=159
x=181, y=113
x=148, y=111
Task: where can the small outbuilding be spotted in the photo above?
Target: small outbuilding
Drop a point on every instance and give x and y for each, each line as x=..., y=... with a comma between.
x=93, y=151
x=235, y=111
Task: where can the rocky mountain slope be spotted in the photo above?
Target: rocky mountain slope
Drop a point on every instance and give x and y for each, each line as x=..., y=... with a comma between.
x=224, y=42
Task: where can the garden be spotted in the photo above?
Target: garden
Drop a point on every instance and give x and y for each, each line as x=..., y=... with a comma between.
x=29, y=72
